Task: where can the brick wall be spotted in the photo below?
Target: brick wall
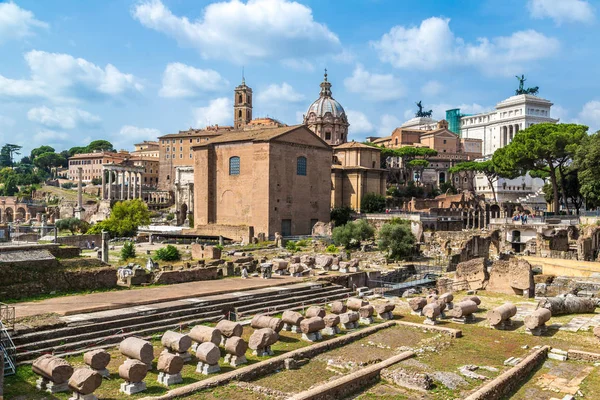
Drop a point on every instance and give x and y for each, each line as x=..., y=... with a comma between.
x=80, y=241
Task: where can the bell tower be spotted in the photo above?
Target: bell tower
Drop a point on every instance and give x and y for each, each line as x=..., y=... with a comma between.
x=242, y=105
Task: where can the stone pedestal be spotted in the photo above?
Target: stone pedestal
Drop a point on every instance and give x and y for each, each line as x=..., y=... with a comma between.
x=47, y=385
x=503, y=325
x=169, y=379
x=467, y=319
x=103, y=372
x=235, y=361
x=334, y=330
x=429, y=321
x=132, y=388
x=386, y=315
x=539, y=331
x=366, y=321
x=449, y=306
x=78, y=396
x=350, y=325
x=263, y=352
x=207, y=369
x=292, y=328
x=312, y=337
x=418, y=313
x=344, y=270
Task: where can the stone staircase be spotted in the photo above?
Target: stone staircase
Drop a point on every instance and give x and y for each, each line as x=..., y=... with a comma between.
x=7, y=348
x=83, y=332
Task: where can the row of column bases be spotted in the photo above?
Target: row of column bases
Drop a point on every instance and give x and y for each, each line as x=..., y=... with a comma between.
x=127, y=187
x=475, y=220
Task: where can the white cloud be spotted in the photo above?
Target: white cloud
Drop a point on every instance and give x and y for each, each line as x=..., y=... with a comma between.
x=432, y=88
x=387, y=125
x=378, y=87
x=48, y=136
x=276, y=94
x=180, y=80
x=129, y=134
x=218, y=112
x=433, y=45
x=62, y=117
x=237, y=31
x=560, y=113
x=17, y=23
x=298, y=64
x=359, y=123
x=562, y=10
x=345, y=57
x=62, y=77
x=590, y=115
x=299, y=117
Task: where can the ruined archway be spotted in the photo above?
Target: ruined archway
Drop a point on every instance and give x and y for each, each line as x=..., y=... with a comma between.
x=183, y=211
x=10, y=215
x=495, y=211
x=20, y=214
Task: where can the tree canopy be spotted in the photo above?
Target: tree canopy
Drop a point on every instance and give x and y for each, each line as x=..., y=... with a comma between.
x=125, y=219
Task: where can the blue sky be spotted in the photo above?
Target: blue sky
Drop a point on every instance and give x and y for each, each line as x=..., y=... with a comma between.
x=126, y=71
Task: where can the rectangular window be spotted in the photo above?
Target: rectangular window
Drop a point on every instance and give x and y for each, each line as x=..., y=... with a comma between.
x=190, y=155
x=286, y=227
x=181, y=155
x=301, y=166
x=180, y=141
x=234, y=166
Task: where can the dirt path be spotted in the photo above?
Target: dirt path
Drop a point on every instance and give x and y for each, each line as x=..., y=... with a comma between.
x=68, y=305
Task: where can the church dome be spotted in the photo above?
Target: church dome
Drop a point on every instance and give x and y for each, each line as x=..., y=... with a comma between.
x=327, y=118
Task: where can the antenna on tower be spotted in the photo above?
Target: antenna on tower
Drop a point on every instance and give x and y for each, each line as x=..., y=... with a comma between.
x=243, y=79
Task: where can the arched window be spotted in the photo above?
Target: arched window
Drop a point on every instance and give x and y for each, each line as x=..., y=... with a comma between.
x=301, y=166
x=240, y=114
x=396, y=141
x=240, y=99
x=249, y=99
x=234, y=166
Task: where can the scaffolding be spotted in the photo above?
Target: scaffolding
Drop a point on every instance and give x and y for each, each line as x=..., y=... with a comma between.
x=453, y=118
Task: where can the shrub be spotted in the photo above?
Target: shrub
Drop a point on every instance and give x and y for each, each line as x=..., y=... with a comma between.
x=372, y=203
x=341, y=215
x=302, y=243
x=351, y=234
x=125, y=218
x=128, y=251
x=291, y=246
x=73, y=225
x=396, y=239
x=96, y=181
x=331, y=248
x=67, y=185
x=170, y=217
x=169, y=253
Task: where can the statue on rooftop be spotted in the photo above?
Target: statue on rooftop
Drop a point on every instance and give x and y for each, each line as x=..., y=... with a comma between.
x=521, y=90
x=422, y=113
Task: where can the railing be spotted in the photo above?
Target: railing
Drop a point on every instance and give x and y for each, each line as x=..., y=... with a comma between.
x=7, y=315
x=7, y=347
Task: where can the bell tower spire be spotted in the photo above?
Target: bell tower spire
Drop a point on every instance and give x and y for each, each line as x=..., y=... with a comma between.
x=242, y=104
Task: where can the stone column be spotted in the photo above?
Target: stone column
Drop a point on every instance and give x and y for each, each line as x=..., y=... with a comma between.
x=134, y=187
x=122, y=185
x=110, y=183
x=140, y=176
x=79, y=188
x=104, y=247
x=103, y=187
x=128, y=175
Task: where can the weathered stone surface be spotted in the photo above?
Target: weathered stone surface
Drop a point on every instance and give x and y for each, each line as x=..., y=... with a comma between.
x=355, y=304
x=348, y=317
x=331, y=320
x=85, y=381
x=384, y=307
x=208, y=353
x=307, y=260
x=338, y=307
x=176, y=341
x=323, y=261
x=203, y=334
x=292, y=317
x=597, y=331
x=511, y=277
x=133, y=370
x=462, y=309
x=447, y=297
x=314, y=324
x=262, y=338
x=296, y=268
x=230, y=328
x=97, y=359
x=236, y=346
x=417, y=303
x=279, y=264
x=537, y=318
x=170, y=363
x=53, y=368
x=431, y=310
x=409, y=379
x=474, y=299
x=474, y=272
x=569, y=304
x=138, y=349
x=264, y=321
x=501, y=313
x=441, y=304
x=315, y=311
x=366, y=311
x=431, y=298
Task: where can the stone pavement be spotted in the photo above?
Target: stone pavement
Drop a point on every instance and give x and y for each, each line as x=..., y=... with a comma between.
x=68, y=305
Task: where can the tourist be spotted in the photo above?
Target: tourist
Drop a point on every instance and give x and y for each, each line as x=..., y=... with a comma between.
x=93, y=244
x=87, y=245
x=244, y=273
